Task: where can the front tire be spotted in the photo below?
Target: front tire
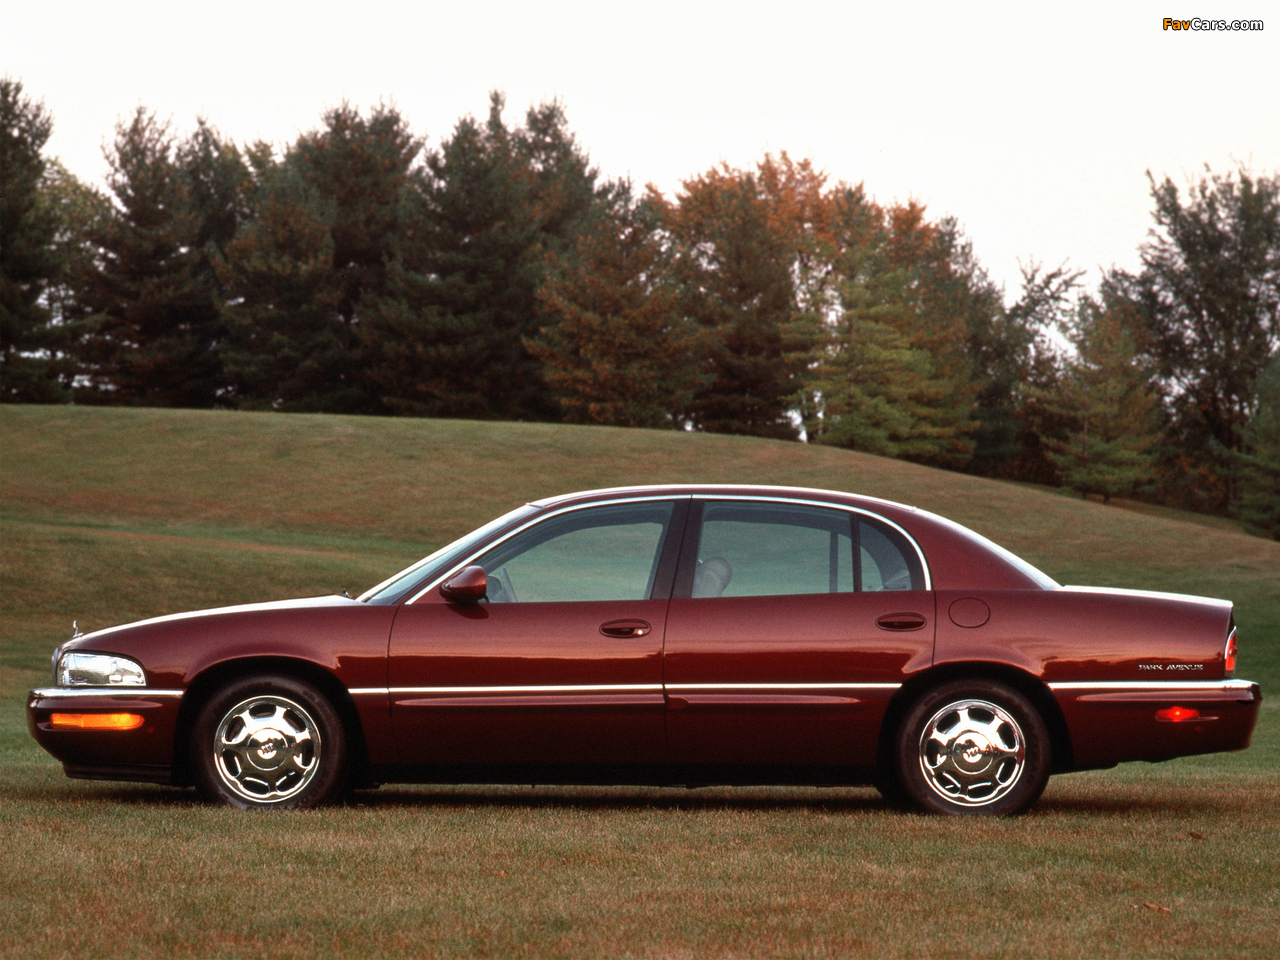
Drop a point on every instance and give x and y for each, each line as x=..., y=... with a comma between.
x=269, y=743
x=975, y=748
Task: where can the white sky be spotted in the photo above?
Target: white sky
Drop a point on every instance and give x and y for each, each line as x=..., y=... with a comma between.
x=1032, y=124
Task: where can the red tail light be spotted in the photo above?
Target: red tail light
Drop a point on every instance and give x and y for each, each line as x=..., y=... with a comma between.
x=1177, y=714
x=1230, y=656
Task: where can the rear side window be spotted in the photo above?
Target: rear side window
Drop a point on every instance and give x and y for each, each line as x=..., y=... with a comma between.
x=769, y=549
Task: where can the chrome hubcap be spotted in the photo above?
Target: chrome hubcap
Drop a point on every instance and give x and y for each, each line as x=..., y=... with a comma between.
x=972, y=753
x=267, y=749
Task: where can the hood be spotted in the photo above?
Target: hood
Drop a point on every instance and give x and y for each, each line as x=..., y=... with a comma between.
x=301, y=603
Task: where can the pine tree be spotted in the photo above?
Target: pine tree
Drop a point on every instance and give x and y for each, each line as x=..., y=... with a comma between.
x=876, y=385
x=1210, y=290
x=884, y=376
x=362, y=168
x=740, y=254
x=497, y=207
x=615, y=349
x=1108, y=399
x=1258, y=463
x=30, y=342
x=1012, y=359
x=309, y=274
x=150, y=295
x=451, y=341
x=287, y=347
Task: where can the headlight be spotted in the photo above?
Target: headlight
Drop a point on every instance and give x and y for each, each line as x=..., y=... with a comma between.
x=99, y=670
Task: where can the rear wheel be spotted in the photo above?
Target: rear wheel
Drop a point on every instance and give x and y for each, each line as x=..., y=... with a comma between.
x=973, y=747
x=269, y=743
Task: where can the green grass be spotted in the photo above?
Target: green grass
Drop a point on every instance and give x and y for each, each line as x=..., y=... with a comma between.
x=113, y=515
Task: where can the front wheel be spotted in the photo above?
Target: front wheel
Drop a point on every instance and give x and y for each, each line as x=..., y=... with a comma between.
x=269, y=743
x=973, y=748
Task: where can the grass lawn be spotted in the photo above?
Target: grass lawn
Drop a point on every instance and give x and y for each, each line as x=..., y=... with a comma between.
x=113, y=515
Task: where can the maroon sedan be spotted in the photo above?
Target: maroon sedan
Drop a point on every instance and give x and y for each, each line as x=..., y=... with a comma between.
x=664, y=635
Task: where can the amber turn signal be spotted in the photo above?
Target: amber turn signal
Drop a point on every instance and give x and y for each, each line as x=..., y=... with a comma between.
x=96, y=721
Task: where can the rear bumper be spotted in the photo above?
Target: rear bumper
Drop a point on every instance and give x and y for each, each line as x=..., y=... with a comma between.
x=1117, y=722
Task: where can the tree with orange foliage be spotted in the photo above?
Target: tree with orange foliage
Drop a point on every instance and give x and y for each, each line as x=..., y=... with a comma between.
x=886, y=378
x=748, y=261
x=615, y=348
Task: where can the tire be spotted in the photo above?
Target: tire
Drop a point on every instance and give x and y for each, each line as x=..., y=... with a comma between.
x=269, y=743
x=973, y=748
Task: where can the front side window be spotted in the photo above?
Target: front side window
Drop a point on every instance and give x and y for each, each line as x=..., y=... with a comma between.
x=598, y=553
x=769, y=549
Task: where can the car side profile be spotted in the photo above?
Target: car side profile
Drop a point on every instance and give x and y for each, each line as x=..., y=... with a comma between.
x=664, y=635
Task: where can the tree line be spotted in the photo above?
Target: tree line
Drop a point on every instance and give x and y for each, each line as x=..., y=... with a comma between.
x=497, y=275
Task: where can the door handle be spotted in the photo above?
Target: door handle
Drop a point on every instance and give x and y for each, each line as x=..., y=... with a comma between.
x=625, y=628
x=900, y=621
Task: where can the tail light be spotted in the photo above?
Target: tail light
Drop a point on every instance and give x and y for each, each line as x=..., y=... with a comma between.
x=1229, y=657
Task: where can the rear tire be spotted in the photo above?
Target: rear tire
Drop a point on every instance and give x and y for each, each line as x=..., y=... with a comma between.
x=269, y=742
x=973, y=748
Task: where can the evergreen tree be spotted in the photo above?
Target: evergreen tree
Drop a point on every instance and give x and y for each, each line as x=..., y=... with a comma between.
x=77, y=208
x=314, y=271
x=30, y=342
x=877, y=385
x=362, y=167
x=287, y=347
x=945, y=294
x=1258, y=463
x=615, y=349
x=497, y=207
x=1210, y=289
x=1012, y=367
x=150, y=295
x=218, y=185
x=452, y=338
x=1111, y=407
x=738, y=255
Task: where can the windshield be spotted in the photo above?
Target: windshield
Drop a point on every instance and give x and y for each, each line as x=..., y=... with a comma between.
x=406, y=581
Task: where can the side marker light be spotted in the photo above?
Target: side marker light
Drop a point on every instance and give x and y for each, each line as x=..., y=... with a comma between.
x=96, y=721
x=1177, y=714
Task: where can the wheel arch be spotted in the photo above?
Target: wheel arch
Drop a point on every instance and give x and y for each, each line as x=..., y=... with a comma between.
x=1024, y=683
x=207, y=683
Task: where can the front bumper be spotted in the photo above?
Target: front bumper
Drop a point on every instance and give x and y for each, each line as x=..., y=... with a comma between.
x=144, y=753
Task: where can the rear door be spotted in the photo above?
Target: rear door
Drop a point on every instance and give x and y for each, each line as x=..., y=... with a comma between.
x=792, y=626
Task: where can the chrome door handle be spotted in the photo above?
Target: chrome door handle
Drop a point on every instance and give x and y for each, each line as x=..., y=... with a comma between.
x=625, y=628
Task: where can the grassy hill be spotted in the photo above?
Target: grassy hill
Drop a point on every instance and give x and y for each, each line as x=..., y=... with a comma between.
x=357, y=495
x=110, y=515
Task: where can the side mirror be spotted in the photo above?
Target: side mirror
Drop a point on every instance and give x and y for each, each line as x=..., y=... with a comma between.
x=468, y=585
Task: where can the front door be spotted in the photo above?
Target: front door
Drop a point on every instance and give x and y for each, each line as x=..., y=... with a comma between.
x=563, y=662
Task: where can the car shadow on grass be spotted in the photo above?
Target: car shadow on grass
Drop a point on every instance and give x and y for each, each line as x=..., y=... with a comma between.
x=622, y=798
x=612, y=799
